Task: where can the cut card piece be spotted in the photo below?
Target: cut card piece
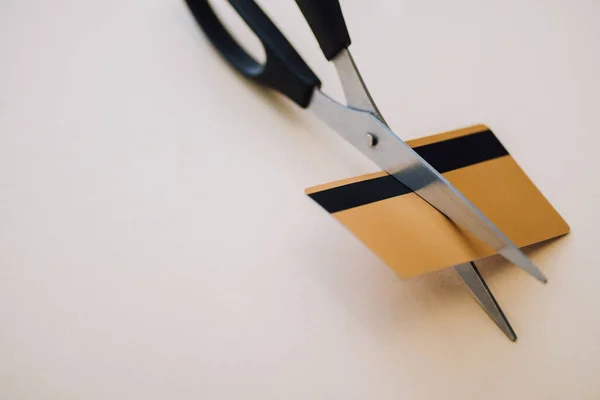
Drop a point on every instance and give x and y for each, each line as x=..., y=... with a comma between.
x=414, y=238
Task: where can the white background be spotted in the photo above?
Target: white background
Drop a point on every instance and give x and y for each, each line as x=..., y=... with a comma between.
x=156, y=242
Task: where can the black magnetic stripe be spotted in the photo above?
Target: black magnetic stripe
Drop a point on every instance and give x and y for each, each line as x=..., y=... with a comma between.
x=462, y=151
x=443, y=156
x=359, y=193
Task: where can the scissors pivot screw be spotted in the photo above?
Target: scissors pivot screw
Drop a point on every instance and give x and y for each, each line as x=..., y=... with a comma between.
x=371, y=140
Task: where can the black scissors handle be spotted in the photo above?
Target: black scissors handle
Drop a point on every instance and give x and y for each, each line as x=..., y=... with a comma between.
x=327, y=23
x=284, y=70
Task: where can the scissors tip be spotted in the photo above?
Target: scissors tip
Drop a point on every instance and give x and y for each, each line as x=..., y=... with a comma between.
x=517, y=257
x=481, y=292
x=538, y=275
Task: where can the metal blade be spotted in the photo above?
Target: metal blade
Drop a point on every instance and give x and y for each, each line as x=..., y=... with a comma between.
x=359, y=98
x=480, y=291
x=355, y=90
x=375, y=140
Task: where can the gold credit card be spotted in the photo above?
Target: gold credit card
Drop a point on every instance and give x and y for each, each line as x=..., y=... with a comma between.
x=414, y=238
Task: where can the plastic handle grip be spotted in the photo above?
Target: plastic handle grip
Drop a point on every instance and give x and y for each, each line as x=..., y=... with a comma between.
x=284, y=70
x=327, y=23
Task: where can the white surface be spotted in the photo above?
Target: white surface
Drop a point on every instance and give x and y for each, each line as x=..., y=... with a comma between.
x=155, y=241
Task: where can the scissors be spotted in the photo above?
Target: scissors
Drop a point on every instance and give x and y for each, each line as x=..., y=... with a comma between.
x=359, y=122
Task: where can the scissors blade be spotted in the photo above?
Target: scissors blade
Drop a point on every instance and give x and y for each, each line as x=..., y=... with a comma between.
x=481, y=292
x=355, y=90
x=395, y=157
